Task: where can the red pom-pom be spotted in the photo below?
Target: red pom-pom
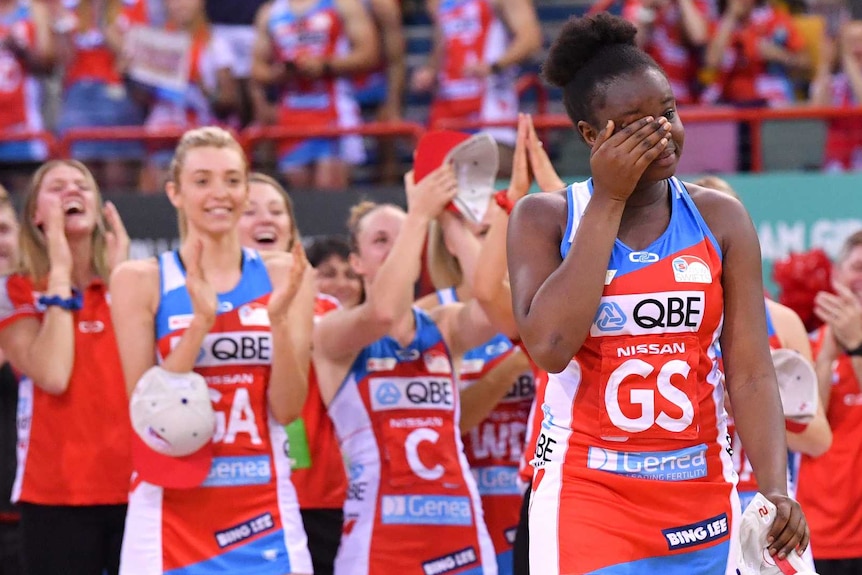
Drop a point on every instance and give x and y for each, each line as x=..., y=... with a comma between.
x=800, y=276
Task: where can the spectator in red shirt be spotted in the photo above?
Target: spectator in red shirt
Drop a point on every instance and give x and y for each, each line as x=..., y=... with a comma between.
x=830, y=488
x=838, y=82
x=753, y=47
x=10, y=532
x=26, y=50
x=88, y=36
x=674, y=33
x=55, y=327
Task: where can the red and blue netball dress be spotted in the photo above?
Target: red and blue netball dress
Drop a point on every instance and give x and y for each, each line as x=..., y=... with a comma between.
x=633, y=467
x=495, y=446
x=244, y=518
x=412, y=505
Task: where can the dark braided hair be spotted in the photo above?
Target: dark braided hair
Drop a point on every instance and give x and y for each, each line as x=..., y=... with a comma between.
x=588, y=55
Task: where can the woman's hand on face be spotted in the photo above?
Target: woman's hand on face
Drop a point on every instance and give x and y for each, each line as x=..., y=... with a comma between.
x=430, y=197
x=285, y=271
x=201, y=292
x=618, y=160
x=54, y=228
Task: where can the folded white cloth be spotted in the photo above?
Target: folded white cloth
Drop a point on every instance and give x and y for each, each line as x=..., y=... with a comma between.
x=754, y=556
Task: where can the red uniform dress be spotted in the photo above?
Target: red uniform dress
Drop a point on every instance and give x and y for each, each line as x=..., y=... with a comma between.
x=669, y=47
x=20, y=93
x=633, y=471
x=244, y=518
x=323, y=483
x=743, y=75
x=64, y=440
x=323, y=102
x=830, y=488
x=412, y=505
x=495, y=447
x=472, y=32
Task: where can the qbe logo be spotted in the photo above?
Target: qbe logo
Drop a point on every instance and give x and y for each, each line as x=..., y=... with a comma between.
x=697, y=533
x=610, y=317
x=235, y=348
x=642, y=314
x=426, y=510
x=411, y=393
x=680, y=465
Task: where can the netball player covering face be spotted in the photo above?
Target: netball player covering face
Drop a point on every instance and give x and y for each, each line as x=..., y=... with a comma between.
x=386, y=372
x=621, y=287
x=194, y=309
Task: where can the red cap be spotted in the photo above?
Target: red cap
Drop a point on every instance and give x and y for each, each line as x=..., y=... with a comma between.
x=432, y=150
x=183, y=472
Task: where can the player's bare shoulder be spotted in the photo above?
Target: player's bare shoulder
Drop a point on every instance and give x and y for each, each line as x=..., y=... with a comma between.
x=137, y=280
x=546, y=210
x=722, y=211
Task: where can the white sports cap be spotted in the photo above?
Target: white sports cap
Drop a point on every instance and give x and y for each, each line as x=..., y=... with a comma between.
x=174, y=423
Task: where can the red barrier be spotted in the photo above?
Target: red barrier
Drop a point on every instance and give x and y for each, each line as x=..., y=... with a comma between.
x=46, y=138
x=150, y=138
x=253, y=135
x=754, y=117
x=250, y=137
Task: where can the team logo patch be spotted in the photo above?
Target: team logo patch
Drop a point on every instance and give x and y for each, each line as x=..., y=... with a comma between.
x=643, y=257
x=411, y=393
x=450, y=562
x=181, y=321
x=254, y=314
x=610, y=317
x=472, y=366
x=381, y=363
x=691, y=269
x=697, y=533
x=437, y=362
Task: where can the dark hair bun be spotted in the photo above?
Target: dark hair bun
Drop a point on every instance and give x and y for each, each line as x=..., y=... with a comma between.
x=580, y=40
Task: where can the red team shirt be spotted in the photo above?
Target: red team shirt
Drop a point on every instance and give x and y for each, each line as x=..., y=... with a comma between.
x=830, y=488
x=744, y=76
x=472, y=33
x=321, y=102
x=324, y=484
x=669, y=46
x=633, y=471
x=64, y=440
x=495, y=447
x=19, y=92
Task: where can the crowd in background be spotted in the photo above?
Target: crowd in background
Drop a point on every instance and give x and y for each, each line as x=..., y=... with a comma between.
x=323, y=64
